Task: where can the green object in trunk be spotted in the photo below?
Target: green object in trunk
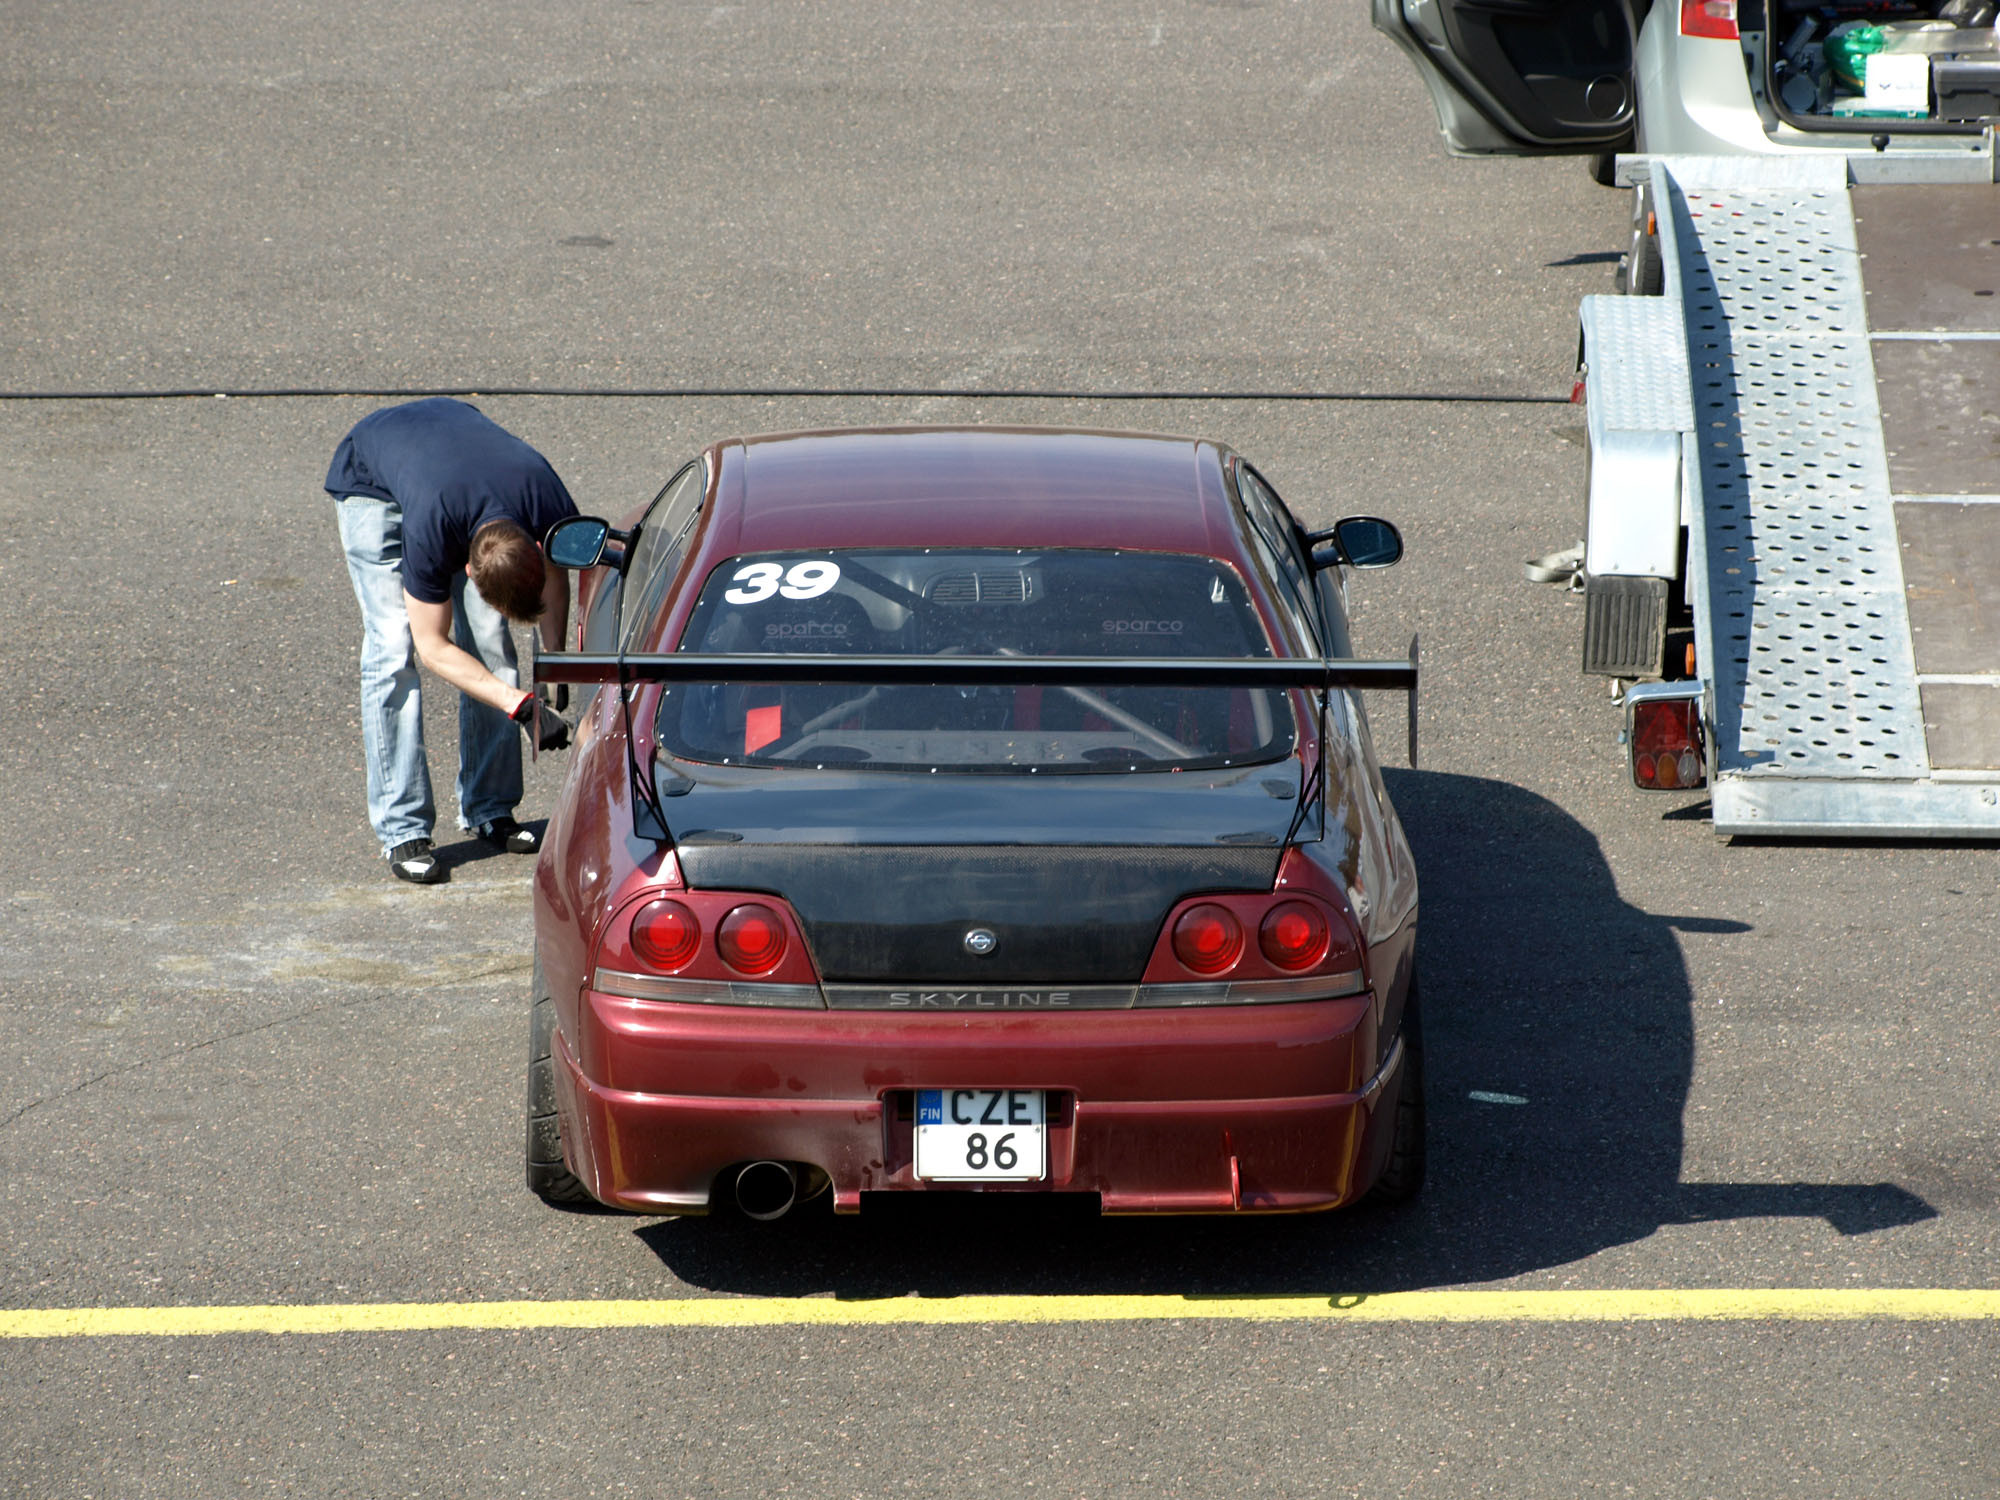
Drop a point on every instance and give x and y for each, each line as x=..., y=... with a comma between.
x=1847, y=53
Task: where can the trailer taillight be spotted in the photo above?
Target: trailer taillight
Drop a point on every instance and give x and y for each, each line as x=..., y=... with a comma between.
x=1715, y=19
x=1664, y=740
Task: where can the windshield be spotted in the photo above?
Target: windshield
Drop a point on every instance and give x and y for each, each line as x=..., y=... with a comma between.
x=975, y=603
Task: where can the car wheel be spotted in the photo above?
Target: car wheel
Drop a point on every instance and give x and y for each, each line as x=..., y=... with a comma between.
x=1403, y=1176
x=549, y=1178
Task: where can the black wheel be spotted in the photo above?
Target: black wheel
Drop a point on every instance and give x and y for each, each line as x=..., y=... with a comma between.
x=1604, y=168
x=1641, y=271
x=1403, y=1177
x=548, y=1177
x=1648, y=274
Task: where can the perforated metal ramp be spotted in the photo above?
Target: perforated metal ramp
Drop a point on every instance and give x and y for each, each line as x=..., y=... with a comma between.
x=1794, y=567
x=1932, y=272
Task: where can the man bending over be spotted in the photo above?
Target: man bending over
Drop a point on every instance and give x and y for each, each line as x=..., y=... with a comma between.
x=431, y=495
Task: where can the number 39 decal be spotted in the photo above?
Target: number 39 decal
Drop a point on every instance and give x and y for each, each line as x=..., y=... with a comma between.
x=760, y=581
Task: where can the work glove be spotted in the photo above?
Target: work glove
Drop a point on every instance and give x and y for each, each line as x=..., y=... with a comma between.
x=548, y=729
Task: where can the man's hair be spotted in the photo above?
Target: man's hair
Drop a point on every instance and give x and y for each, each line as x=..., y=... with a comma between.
x=508, y=571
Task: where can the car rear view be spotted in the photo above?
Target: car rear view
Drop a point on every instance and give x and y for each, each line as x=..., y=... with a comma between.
x=948, y=936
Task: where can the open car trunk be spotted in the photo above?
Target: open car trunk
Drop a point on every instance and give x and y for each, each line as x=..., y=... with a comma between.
x=1933, y=66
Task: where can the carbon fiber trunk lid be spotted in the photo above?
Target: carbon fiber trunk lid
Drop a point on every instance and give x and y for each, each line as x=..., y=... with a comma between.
x=1059, y=913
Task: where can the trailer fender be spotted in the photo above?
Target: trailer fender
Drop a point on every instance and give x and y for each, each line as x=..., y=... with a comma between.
x=1637, y=414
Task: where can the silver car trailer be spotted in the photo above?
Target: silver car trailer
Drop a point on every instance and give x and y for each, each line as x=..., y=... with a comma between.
x=1793, y=545
x=1793, y=551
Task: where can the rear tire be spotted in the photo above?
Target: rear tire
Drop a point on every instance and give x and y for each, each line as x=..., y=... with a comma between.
x=549, y=1177
x=1403, y=1175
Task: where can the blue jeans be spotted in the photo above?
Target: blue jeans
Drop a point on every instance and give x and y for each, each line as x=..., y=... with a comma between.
x=400, y=805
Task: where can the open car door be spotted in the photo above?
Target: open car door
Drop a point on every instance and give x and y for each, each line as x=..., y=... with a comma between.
x=1522, y=77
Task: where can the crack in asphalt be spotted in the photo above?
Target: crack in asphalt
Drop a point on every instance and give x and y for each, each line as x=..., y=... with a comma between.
x=183, y=1053
x=320, y=945
x=768, y=393
x=187, y=1051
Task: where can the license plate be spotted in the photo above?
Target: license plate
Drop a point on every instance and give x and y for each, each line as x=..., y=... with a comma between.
x=981, y=1135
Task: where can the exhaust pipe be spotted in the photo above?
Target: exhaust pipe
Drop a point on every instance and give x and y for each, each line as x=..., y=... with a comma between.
x=766, y=1190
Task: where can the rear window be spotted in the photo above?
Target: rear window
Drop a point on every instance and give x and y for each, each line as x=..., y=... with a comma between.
x=975, y=603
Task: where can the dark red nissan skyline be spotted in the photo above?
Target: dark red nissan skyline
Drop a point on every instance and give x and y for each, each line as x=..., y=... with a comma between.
x=972, y=809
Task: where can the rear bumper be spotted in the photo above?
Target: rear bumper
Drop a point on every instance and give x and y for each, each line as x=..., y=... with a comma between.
x=1260, y=1108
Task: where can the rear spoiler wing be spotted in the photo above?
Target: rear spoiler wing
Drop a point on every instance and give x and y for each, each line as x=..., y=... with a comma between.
x=1320, y=675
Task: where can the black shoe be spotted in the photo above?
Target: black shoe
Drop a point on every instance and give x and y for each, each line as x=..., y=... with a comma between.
x=506, y=834
x=416, y=862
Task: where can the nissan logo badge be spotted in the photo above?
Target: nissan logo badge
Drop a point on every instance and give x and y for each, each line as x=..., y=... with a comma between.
x=980, y=941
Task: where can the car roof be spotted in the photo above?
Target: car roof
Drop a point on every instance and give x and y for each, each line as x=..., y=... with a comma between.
x=970, y=487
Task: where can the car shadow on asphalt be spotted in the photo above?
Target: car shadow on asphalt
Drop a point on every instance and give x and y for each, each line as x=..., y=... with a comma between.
x=1559, y=1034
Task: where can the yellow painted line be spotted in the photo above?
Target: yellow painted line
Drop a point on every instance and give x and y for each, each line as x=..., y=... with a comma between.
x=1796, y=1304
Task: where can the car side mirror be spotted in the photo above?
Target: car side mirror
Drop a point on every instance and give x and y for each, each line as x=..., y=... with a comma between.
x=1357, y=542
x=584, y=542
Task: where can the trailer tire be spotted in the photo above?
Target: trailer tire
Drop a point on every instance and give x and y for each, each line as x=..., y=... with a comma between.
x=1641, y=271
x=1648, y=277
x=549, y=1177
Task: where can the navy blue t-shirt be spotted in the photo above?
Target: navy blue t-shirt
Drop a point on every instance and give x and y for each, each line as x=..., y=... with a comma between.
x=451, y=470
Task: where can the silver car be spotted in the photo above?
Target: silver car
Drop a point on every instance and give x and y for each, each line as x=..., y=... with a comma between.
x=1700, y=77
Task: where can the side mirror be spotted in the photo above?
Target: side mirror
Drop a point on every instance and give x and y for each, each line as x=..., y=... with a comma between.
x=584, y=542
x=1357, y=542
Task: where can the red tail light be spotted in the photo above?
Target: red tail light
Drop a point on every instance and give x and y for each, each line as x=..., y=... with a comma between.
x=1666, y=745
x=665, y=934
x=1293, y=935
x=751, y=939
x=1208, y=938
x=1709, y=18
x=1298, y=931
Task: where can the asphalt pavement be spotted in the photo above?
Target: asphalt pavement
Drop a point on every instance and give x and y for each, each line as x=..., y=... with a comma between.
x=243, y=1066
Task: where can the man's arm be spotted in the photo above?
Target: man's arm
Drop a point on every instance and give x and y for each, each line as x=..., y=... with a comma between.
x=430, y=628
